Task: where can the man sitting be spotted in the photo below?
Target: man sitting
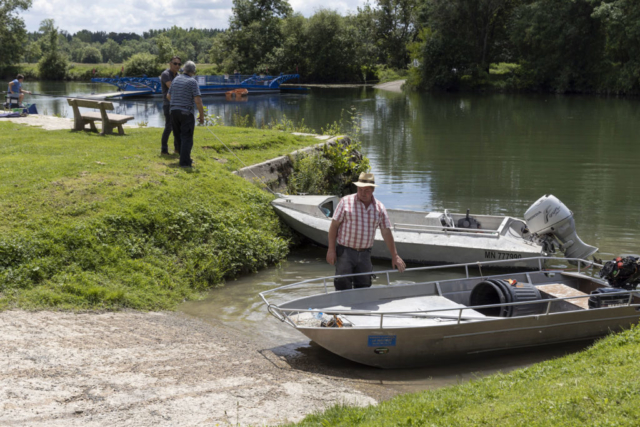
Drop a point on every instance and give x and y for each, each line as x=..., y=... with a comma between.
x=15, y=91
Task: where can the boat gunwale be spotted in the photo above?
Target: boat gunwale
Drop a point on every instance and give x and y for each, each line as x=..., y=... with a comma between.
x=433, y=229
x=281, y=313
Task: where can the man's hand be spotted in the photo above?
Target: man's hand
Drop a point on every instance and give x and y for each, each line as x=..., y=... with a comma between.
x=397, y=262
x=201, y=119
x=331, y=256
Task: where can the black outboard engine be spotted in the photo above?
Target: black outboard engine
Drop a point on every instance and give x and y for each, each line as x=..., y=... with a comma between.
x=621, y=272
x=468, y=222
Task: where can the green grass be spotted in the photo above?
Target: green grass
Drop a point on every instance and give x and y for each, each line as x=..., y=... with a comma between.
x=92, y=222
x=597, y=387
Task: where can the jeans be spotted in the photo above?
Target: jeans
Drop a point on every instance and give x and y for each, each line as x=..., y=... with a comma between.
x=183, y=125
x=168, y=127
x=350, y=261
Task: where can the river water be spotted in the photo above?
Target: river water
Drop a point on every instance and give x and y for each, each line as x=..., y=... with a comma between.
x=491, y=153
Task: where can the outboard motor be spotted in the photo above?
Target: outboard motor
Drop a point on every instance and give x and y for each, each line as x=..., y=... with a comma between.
x=551, y=224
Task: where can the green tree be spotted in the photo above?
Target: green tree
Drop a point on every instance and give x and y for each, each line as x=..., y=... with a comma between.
x=33, y=52
x=13, y=35
x=111, y=51
x=396, y=27
x=292, y=53
x=76, y=49
x=621, y=27
x=331, y=48
x=53, y=64
x=461, y=37
x=255, y=30
x=165, y=48
x=364, y=24
x=91, y=55
x=560, y=45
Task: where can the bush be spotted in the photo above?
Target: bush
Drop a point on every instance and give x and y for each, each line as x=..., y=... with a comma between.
x=143, y=64
x=91, y=55
x=53, y=66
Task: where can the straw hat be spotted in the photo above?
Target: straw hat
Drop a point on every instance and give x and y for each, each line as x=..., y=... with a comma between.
x=365, y=180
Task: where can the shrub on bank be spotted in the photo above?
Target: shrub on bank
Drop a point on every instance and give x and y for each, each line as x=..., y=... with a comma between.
x=105, y=222
x=143, y=64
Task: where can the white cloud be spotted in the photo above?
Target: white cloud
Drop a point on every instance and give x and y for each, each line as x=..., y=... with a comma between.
x=138, y=16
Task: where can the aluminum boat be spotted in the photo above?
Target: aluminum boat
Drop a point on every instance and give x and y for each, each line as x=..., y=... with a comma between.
x=406, y=325
x=435, y=238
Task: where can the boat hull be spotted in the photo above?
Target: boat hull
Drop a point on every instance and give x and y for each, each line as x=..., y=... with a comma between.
x=415, y=346
x=421, y=248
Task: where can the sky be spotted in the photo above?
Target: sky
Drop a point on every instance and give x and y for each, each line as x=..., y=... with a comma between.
x=137, y=16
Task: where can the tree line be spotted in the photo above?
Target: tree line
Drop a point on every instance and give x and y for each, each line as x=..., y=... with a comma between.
x=538, y=45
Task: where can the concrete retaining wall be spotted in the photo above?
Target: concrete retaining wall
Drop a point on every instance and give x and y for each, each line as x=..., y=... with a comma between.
x=275, y=172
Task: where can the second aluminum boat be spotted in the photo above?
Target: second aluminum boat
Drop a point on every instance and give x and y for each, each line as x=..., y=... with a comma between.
x=436, y=238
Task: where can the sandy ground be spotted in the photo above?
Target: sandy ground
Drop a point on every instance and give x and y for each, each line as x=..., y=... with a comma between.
x=50, y=122
x=395, y=86
x=153, y=369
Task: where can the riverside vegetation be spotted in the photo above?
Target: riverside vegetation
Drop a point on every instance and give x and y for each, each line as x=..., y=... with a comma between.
x=93, y=222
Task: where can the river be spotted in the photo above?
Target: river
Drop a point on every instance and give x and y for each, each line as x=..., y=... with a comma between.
x=490, y=153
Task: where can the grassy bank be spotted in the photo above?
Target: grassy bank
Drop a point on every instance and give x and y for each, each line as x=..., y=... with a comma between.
x=596, y=387
x=93, y=222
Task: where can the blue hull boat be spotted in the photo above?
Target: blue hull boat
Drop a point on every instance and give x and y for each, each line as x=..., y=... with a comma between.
x=129, y=87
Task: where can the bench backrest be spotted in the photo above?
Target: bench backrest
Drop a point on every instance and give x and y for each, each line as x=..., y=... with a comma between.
x=87, y=103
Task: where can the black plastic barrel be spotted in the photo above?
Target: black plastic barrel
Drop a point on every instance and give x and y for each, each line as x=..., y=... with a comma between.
x=492, y=292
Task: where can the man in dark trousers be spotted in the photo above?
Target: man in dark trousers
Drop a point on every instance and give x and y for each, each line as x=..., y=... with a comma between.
x=352, y=232
x=166, y=78
x=184, y=96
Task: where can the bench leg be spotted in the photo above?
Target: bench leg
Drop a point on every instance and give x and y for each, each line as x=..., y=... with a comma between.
x=107, y=129
x=93, y=127
x=120, y=130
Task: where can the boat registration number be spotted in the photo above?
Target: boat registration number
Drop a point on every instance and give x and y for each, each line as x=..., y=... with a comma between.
x=501, y=255
x=382, y=340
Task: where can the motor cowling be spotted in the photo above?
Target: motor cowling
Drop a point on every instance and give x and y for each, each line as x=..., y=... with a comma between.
x=551, y=223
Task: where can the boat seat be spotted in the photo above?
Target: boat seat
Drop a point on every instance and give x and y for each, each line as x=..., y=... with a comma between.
x=558, y=290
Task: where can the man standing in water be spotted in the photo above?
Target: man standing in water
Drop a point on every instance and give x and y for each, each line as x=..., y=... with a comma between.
x=352, y=233
x=184, y=95
x=166, y=78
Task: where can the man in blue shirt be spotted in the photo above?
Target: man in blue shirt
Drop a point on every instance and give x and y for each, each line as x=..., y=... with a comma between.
x=15, y=90
x=184, y=95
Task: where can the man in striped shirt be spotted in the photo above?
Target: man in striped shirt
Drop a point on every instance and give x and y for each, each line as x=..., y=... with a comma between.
x=352, y=233
x=183, y=96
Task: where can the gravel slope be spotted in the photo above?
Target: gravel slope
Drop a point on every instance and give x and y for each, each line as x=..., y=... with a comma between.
x=153, y=369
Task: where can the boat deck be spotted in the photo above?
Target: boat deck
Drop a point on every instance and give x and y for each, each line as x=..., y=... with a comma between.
x=408, y=310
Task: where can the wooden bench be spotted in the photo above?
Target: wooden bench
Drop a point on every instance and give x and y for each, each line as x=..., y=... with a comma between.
x=109, y=121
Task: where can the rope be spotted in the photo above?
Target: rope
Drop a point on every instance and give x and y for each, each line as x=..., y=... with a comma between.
x=234, y=155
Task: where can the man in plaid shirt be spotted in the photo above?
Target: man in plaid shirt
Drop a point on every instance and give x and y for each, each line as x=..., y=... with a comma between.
x=352, y=233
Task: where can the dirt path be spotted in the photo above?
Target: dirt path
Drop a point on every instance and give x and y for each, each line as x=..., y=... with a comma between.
x=154, y=369
x=394, y=86
x=50, y=122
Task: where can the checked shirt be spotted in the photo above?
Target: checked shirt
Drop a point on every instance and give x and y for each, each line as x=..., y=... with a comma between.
x=358, y=223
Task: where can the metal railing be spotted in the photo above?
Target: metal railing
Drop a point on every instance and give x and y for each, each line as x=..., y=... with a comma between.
x=444, y=229
x=283, y=314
